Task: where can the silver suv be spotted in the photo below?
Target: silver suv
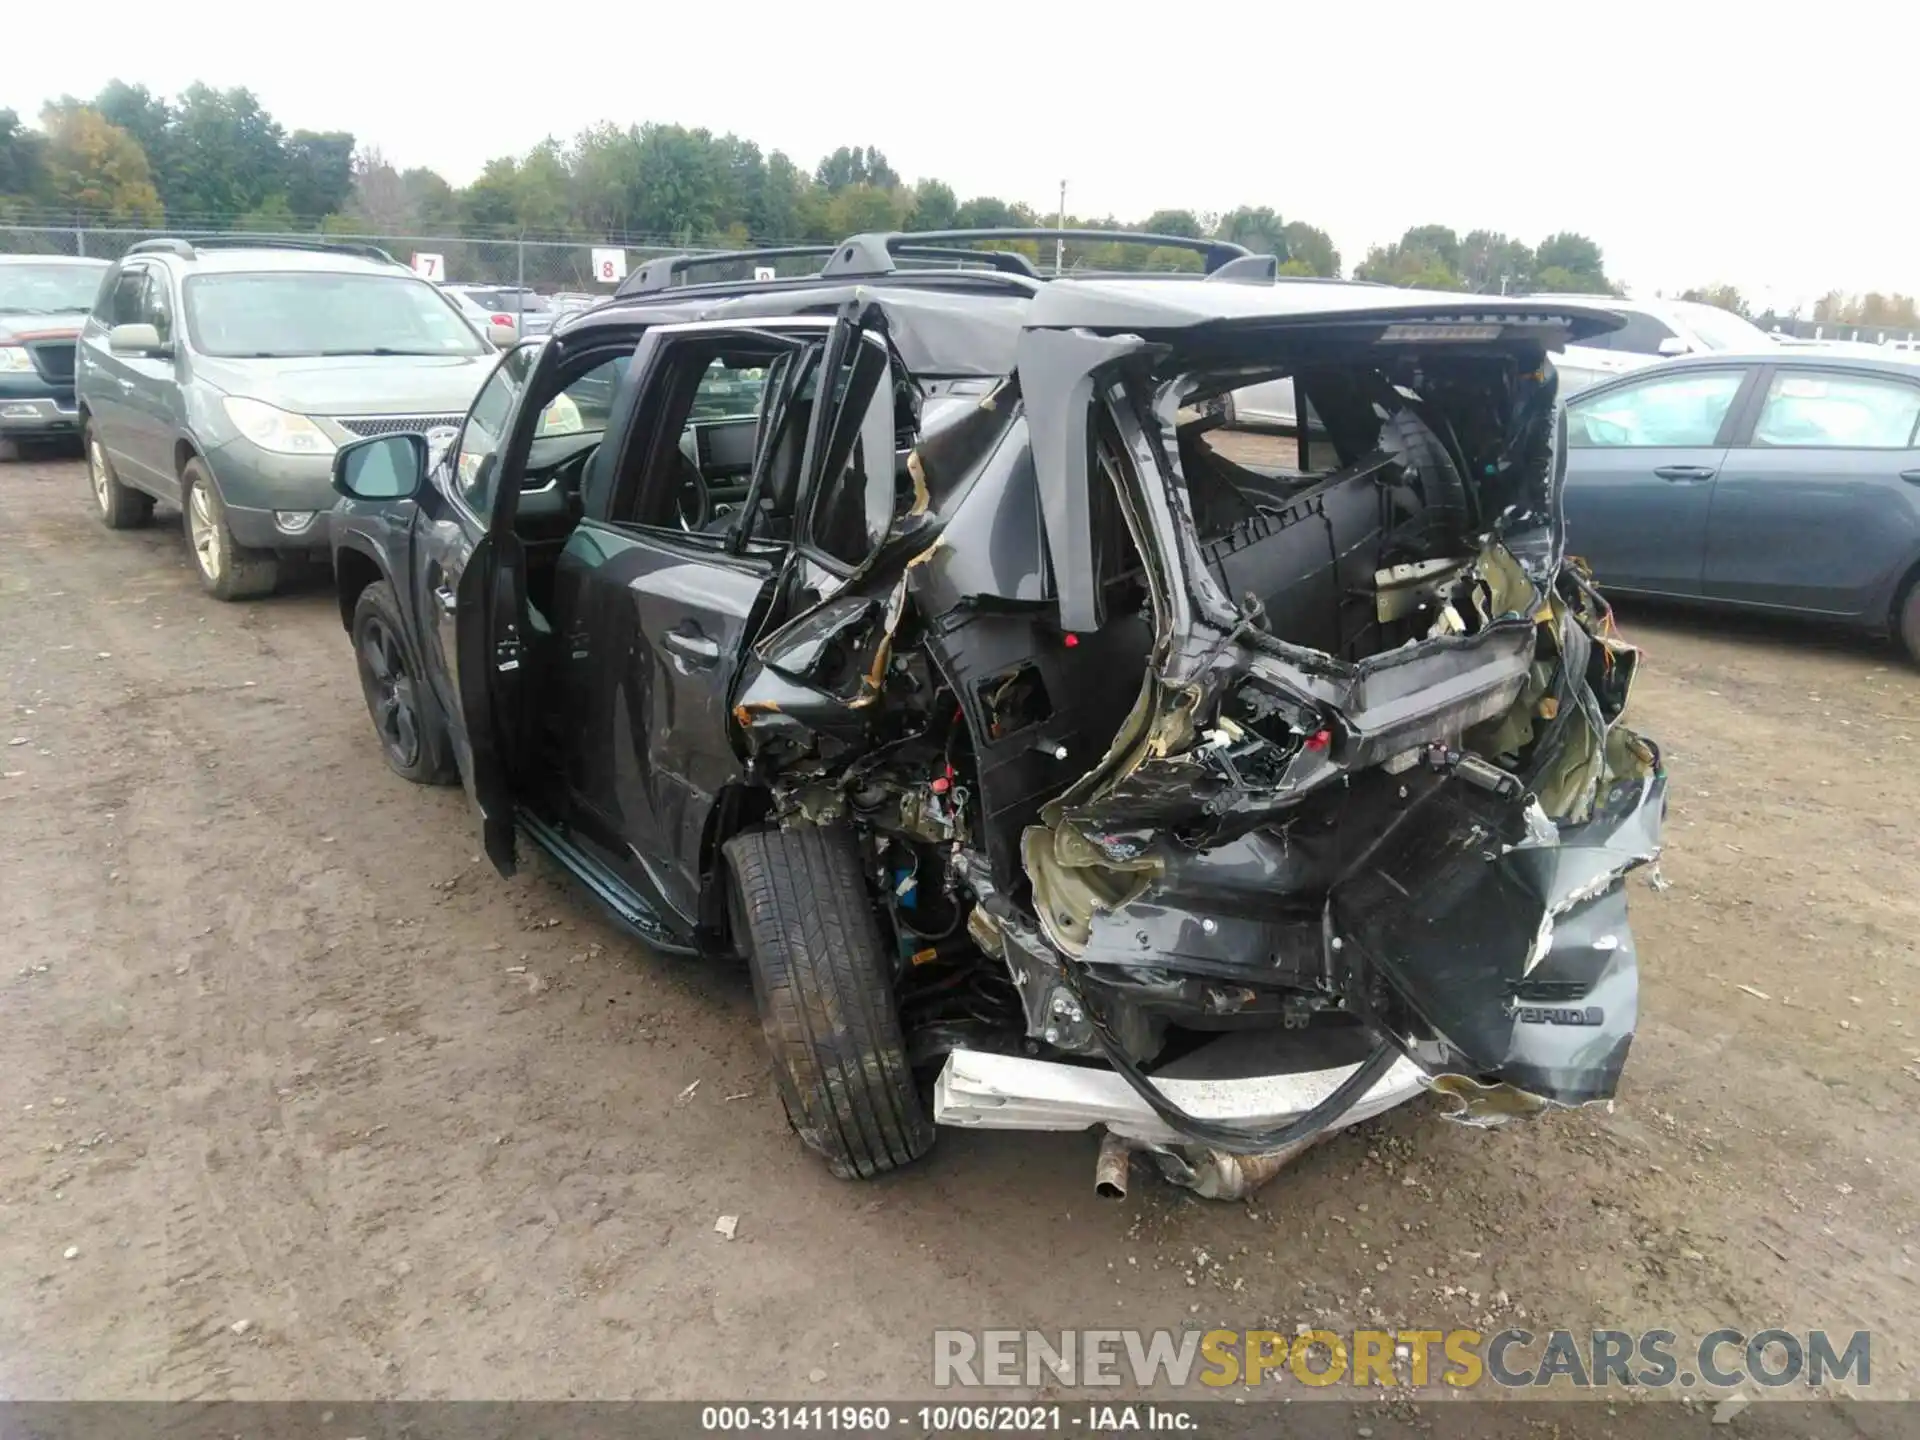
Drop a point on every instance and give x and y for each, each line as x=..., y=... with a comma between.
x=221, y=374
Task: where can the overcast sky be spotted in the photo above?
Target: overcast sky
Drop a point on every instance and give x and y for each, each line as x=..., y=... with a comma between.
x=1770, y=146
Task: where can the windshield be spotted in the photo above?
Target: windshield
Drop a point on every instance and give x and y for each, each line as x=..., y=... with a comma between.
x=1722, y=329
x=47, y=289
x=318, y=312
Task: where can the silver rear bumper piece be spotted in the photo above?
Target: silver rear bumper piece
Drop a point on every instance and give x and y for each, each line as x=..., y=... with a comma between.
x=980, y=1091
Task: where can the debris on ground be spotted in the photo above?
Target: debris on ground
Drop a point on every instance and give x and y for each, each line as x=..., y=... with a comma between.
x=726, y=1225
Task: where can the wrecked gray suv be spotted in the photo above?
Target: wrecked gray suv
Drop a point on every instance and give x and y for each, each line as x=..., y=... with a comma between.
x=1023, y=729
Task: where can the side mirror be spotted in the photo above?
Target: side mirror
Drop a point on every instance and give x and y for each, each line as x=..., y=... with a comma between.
x=136, y=340
x=1673, y=345
x=503, y=336
x=381, y=467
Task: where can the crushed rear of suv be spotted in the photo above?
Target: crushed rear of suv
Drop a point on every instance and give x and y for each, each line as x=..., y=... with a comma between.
x=1014, y=726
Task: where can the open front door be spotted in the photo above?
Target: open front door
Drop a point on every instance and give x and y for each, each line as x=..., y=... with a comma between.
x=490, y=635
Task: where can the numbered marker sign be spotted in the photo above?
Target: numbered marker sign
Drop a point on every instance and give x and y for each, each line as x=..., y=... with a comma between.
x=763, y=272
x=609, y=266
x=428, y=267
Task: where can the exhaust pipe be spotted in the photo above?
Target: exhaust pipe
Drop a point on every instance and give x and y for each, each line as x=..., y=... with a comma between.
x=1110, y=1170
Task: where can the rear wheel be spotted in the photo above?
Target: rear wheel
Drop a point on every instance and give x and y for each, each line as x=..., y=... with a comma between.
x=410, y=737
x=121, y=507
x=228, y=569
x=822, y=978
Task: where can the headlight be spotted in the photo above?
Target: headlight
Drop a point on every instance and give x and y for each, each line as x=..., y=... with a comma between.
x=277, y=430
x=14, y=359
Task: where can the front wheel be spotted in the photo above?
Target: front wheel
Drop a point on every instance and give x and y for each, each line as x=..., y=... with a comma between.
x=410, y=737
x=822, y=979
x=228, y=569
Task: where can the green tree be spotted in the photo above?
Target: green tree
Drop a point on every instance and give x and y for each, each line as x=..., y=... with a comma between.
x=1436, y=241
x=987, y=212
x=777, y=216
x=1311, y=247
x=225, y=154
x=1255, y=226
x=934, y=206
x=149, y=120
x=858, y=209
x=852, y=165
x=23, y=173
x=1495, y=264
x=1173, y=222
x=605, y=160
x=319, y=172
x=491, y=202
x=1570, y=263
x=1726, y=297
x=1418, y=258
x=675, y=186
x=96, y=169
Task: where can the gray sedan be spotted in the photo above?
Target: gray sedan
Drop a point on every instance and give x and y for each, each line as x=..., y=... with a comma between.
x=1785, y=482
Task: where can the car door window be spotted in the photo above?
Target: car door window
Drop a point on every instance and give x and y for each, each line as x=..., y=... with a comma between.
x=853, y=506
x=1641, y=335
x=476, y=459
x=1684, y=409
x=156, y=305
x=126, y=302
x=1836, y=412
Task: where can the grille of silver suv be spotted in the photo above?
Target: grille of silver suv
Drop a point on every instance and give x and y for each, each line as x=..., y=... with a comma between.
x=364, y=425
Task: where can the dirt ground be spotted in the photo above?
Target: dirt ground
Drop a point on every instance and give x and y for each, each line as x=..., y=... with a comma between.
x=298, y=1099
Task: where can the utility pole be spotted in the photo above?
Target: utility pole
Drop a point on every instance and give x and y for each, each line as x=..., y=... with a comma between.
x=1060, y=242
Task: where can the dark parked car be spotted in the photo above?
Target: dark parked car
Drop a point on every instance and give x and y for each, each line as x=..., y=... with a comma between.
x=220, y=374
x=1787, y=481
x=43, y=299
x=1010, y=729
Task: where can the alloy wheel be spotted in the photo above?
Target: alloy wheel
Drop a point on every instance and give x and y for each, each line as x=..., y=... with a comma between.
x=203, y=529
x=97, y=476
x=390, y=693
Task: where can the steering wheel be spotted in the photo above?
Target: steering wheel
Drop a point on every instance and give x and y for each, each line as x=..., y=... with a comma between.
x=691, y=496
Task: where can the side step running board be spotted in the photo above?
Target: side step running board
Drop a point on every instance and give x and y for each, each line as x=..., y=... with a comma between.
x=626, y=903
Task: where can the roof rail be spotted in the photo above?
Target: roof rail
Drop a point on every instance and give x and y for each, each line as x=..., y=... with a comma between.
x=1216, y=254
x=878, y=253
x=661, y=273
x=187, y=249
x=164, y=246
x=360, y=248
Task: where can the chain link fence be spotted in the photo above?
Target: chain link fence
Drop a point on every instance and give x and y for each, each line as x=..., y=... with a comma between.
x=549, y=266
x=1834, y=330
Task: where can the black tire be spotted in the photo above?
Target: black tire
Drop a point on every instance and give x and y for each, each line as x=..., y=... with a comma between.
x=9, y=450
x=822, y=979
x=1906, y=618
x=228, y=570
x=411, y=737
x=120, y=507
